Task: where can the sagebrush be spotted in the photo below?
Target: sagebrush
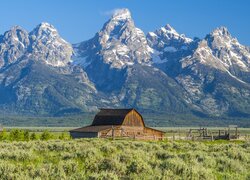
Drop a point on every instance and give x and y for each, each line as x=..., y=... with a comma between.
x=123, y=159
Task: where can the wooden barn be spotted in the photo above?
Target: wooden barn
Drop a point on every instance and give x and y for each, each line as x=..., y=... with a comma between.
x=111, y=123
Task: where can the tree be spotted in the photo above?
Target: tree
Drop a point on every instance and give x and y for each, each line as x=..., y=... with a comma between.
x=26, y=135
x=3, y=135
x=16, y=135
x=46, y=135
x=33, y=136
x=64, y=136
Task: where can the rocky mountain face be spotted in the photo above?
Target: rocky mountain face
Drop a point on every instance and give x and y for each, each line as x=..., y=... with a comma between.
x=211, y=70
x=119, y=43
x=163, y=71
x=41, y=44
x=35, y=75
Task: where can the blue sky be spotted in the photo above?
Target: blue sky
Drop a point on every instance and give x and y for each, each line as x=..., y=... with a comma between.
x=78, y=20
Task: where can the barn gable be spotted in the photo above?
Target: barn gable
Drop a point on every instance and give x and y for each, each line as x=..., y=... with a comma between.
x=133, y=118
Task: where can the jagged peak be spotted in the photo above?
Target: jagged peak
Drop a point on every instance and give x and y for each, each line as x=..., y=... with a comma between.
x=152, y=34
x=170, y=32
x=16, y=27
x=44, y=27
x=121, y=14
x=202, y=43
x=221, y=31
x=16, y=33
x=170, y=28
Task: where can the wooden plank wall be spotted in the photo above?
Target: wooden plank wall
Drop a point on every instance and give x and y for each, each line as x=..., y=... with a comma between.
x=132, y=132
x=133, y=119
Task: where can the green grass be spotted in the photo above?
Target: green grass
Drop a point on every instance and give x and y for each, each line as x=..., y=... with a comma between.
x=124, y=159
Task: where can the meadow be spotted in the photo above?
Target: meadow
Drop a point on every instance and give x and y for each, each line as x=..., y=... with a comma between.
x=56, y=156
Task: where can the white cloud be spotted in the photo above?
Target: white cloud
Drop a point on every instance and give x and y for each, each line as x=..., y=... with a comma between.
x=111, y=12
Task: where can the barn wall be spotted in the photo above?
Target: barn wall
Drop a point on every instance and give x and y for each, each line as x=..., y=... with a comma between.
x=76, y=135
x=153, y=133
x=133, y=119
x=128, y=131
x=104, y=133
x=132, y=132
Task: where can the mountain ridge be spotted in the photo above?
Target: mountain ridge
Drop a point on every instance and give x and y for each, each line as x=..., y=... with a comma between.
x=161, y=71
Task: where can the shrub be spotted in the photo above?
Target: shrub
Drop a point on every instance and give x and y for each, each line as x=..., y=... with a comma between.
x=33, y=136
x=16, y=135
x=46, y=135
x=26, y=135
x=3, y=135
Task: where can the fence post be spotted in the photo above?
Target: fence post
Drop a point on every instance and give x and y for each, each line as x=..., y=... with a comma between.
x=113, y=133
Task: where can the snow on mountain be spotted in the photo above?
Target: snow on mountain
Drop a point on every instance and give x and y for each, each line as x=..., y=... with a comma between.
x=13, y=45
x=164, y=70
x=121, y=14
x=119, y=43
x=167, y=36
x=229, y=50
x=204, y=55
x=47, y=45
x=42, y=44
x=166, y=41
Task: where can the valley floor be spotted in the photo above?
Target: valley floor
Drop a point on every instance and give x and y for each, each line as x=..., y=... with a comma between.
x=124, y=159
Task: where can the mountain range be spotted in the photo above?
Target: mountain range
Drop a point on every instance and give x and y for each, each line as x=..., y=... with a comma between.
x=160, y=72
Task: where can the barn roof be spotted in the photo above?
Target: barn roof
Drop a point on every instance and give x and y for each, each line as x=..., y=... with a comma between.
x=110, y=117
x=91, y=129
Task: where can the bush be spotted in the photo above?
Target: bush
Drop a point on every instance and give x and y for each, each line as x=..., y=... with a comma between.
x=33, y=136
x=16, y=135
x=26, y=135
x=46, y=135
x=3, y=135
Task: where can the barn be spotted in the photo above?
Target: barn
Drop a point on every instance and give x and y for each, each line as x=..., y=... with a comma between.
x=111, y=123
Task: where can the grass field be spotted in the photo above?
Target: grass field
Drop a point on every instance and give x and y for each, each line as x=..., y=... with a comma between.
x=51, y=154
x=124, y=159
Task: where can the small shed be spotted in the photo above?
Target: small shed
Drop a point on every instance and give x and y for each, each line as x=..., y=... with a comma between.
x=118, y=123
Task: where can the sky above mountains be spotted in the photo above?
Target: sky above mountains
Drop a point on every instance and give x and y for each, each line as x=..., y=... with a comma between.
x=79, y=20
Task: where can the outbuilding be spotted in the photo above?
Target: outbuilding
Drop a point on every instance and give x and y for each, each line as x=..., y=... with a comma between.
x=111, y=123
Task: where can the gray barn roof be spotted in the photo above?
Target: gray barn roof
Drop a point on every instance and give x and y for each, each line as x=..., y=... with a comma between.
x=110, y=117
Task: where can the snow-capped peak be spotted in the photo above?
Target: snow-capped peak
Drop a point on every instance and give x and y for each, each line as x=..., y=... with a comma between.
x=221, y=31
x=120, y=43
x=16, y=33
x=45, y=25
x=13, y=44
x=229, y=50
x=44, y=29
x=47, y=45
x=15, y=28
x=168, y=33
x=167, y=39
x=169, y=29
x=121, y=14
